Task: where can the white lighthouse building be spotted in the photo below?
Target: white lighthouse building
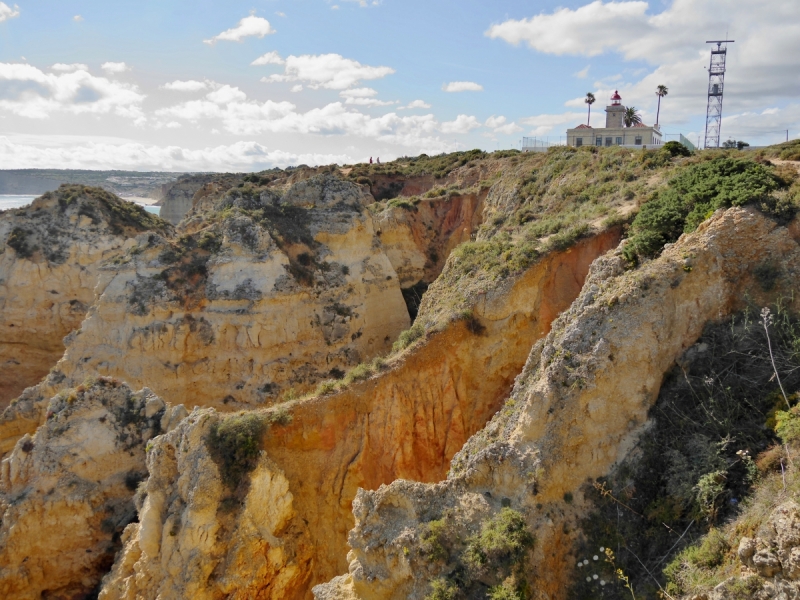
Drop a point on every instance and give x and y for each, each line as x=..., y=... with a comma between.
x=615, y=133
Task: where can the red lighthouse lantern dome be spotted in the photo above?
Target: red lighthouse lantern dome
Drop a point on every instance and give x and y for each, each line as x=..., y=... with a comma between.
x=616, y=98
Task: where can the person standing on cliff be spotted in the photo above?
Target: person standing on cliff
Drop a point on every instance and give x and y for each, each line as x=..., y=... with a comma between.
x=370, y=160
x=379, y=160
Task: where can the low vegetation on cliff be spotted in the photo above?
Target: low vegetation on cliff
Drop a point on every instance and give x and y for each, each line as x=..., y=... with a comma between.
x=717, y=431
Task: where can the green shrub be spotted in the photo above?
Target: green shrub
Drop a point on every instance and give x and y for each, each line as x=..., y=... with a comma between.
x=787, y=425
x=676, y=149
x=693, y=196
x=434, y=540
x=442, y=589
x=234, y=444
x=501, y=544
x=408, y=337
x=18, y=240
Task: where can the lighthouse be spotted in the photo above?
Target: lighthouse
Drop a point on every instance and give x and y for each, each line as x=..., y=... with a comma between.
x=615, y=133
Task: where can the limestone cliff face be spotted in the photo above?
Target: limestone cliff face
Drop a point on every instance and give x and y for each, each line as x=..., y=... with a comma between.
x=576, y=410
x=274, y=293
x=50, y=254
x=419, y=237
x=408, y=421
x=190, y=544
x=183, y=194
x=66, y=492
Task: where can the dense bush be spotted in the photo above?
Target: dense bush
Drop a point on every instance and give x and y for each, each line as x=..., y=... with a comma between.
x=693, y=195
x=488, y=563
x=676, y=149
x=235, y=443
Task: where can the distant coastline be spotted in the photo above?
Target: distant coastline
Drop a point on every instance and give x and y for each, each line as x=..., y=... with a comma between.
x=8, y=201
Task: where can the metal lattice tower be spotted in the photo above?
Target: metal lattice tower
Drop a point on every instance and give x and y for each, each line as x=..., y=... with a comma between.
x=716, y=82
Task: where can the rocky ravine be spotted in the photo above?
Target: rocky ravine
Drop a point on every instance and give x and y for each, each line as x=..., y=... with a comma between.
x=50, y=258
x=575, y=412
x=407, y=422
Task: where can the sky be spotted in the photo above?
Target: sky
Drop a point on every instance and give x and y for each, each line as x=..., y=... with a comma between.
x=207, y=85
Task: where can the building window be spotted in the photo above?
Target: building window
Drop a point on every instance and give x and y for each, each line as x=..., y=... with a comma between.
x=599, y=141
x=608, y=141
x=638, y=140
x=619, y=141
x=579, y=141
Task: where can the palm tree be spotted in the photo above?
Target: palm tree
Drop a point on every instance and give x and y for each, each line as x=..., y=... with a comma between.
x=661, y=91
x=589, y=100
x=631, y=117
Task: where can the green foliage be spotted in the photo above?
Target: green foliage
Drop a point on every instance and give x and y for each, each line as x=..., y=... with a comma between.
x=693, y=195
x=491, y=558
x=787, y=425
x=234, y=444
x=18, y=240
x=442, y=589
x=501, y=544
x=676, y=149
x=408, y=337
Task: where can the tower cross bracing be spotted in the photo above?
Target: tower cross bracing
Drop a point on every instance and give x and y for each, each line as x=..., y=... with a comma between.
x=716, y=84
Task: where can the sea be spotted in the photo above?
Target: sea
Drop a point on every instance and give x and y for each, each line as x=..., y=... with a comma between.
x=16, y=201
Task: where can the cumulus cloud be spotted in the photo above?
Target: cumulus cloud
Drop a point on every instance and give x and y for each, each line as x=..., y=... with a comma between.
x=270, y=58
x=77, y=18
x=329, y=71
x=462, y=86
x=227, y=94
x=241, y=156
x=461, y=124
x=363, y=97
x=501, y=125
x=68, y=68
x=416, y=104
x=247, y=27
x=6, y=12
x=29, y=92
x=115, y=67
x=762, y=69
x=186, y=86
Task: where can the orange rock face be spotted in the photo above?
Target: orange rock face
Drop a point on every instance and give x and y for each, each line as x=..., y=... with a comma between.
x=407, y=422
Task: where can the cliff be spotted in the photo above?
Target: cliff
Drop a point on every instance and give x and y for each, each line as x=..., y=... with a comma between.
x=50, y=261
x=66, y=492
x=576, y=411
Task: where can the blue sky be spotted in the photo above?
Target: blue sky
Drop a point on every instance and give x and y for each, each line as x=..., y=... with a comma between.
x=93, y=84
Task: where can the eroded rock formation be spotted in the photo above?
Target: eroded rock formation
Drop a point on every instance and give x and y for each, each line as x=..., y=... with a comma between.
x=50, y=257
x=66, y=492
x=273, y=292
x=408, y=422
x=575, y=412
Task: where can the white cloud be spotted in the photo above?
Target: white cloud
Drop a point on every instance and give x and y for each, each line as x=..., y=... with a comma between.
x=241, y=156
x=462, y=124
x=68, y=68
x=416, y=104
x=500, y=125
x=6, y=12
x=359, y=93
x=362, y=3
x=226, y=94
x=270, y=58
x=329, y=71
x=583, y=73
x=115, y=67
x=77, y=18
x=29, y=92
x=296, y=88
x=762, y=65
x=280, y=14
x=545, y=124
x=247, y=27
x=173, y=125
x=462, y=86
x=186, y=86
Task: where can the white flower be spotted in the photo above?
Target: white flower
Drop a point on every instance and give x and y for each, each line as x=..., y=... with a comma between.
x=588, y=579
x=602, y=549
x=595, y=576
x=602, y=582
x=595, y=557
